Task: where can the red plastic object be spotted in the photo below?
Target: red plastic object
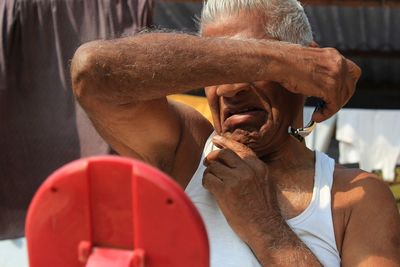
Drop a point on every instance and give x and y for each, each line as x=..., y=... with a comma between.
x=113, y=211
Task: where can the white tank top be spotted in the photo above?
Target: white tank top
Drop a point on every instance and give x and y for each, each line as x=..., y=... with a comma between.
x=313, y=226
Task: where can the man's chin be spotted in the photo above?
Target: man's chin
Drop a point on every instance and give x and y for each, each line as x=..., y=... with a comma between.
x=246, y=137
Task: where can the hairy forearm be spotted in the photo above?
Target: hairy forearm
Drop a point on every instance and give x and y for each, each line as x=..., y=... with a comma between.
x=281, y=246
x=153, y=65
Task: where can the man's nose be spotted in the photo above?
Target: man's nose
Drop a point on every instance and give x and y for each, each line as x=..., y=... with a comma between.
x=230, y=90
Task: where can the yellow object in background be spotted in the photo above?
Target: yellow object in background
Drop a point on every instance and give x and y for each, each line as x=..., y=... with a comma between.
x=197, y=102
x=395, y=187
x=396, y=192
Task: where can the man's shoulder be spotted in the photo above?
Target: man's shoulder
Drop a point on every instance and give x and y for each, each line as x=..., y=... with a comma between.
x=356, y=186
x=365, y=217
x=359, y=194
x=195, y=126
x=195, y=130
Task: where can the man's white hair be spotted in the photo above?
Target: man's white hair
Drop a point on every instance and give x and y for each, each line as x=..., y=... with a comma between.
x=286, y=19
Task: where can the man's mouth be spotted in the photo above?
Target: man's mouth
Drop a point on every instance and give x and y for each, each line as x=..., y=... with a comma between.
x=244, y=117
x=229, y=113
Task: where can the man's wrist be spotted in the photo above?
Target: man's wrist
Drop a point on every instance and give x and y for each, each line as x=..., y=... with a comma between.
x=276, y=60
x=275, y=244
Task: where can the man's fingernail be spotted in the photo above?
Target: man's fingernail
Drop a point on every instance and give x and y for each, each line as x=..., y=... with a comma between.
x=217, y=138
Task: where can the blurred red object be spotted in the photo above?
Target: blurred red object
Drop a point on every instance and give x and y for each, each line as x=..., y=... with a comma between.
x=113, y=211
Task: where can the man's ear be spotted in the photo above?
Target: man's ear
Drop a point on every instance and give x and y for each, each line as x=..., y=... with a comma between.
x=314, y=44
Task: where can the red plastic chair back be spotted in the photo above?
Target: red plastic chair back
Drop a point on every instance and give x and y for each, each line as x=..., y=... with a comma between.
x=113, y=211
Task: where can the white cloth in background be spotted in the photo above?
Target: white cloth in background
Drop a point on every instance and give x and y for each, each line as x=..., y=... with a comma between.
x=370, y=138
x=314, y=226
x=13, y=253
x=322, y=134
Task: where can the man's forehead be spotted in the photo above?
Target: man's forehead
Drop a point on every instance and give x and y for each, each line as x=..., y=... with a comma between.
x=241, y=25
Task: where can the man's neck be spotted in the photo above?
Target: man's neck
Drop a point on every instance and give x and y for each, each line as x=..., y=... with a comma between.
x=292, y=171
x=292, y=158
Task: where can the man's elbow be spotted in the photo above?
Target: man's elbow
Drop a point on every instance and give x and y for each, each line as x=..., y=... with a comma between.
x=84, y=76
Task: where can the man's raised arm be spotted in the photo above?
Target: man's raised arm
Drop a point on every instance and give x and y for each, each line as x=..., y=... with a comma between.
x=150, y=66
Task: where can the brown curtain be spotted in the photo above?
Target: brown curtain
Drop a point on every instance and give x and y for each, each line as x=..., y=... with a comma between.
x=41, y=127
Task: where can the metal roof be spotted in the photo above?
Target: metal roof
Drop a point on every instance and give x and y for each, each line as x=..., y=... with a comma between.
x=356, y=28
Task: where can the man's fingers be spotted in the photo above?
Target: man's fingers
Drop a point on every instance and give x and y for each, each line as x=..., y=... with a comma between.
x=238, y=156
x=212, y=183
x=325, y=113
x=354, y=75
x=240, y=149
x=354, y=70
x=350, y=77
x=220, y=170
x=225, y=156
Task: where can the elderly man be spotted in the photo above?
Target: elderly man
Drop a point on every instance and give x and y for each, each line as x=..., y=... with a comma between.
x=264, y=197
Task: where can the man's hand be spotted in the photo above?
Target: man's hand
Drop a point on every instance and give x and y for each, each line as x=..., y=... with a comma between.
x=322, y=73
x=239, y=182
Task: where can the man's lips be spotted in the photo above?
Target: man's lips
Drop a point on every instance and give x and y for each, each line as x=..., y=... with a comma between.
x=245, y=117
x=229, y=112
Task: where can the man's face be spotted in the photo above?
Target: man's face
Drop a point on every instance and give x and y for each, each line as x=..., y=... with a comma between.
x=256, y=114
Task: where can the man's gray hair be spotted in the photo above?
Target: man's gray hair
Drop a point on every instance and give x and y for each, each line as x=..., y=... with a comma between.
x=286, y=19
